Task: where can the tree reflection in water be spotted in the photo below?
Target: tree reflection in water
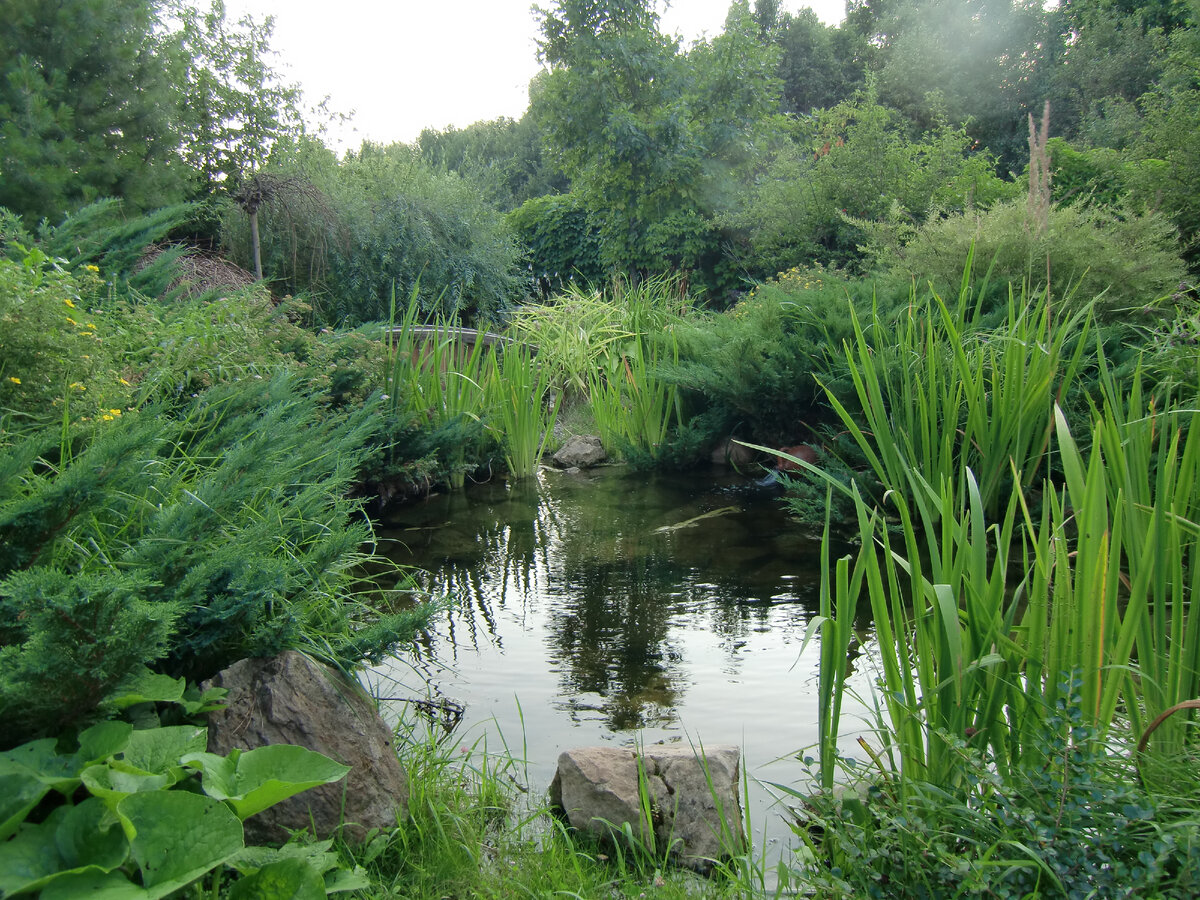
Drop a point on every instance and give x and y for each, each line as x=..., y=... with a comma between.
x=616, y=604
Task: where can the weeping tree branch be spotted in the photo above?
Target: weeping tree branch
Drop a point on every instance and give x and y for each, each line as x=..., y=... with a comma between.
x=295, y=194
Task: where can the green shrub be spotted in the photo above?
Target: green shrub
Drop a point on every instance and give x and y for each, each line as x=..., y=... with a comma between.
x=409, y=228
x=561, y=242
x=1079, y=826
x=185, y=538
x=856, y=166
x=58, y=360
x=1128, y=262
x=100, y=234
x=756, y=365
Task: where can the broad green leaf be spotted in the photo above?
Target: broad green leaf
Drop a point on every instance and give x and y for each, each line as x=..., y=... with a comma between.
x=148, y=687
x=161, y=749
x=19, y=794
x=114, y=781
x=286, y=879
x=41, y=760
x=72, y=841
x=194, y=702
x=94, y=886
x=257, y=779
x=317, y=854
x=218, y=773
x=177, y=836
x=90, y=836
x=347, y=880
x=103, y=740
x=31, y=858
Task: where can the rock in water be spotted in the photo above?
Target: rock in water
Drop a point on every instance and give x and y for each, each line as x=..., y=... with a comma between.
x=580, y=451
x=289, y=699
x=695, y=807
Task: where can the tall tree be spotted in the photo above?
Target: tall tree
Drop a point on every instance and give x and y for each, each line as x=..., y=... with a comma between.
x=646, y=134
x=85, y=107
x=974, y=62
x=819, y=65
x=232, y=103
x=504, y=156
x=612, y=111
x=146, y=100
x=1109, y=58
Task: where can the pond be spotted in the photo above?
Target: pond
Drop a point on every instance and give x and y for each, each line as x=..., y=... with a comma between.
x=616, y=607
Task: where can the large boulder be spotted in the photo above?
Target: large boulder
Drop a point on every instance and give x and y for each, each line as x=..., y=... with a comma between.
x=290, y=699
x=694, y=803
x=580, y=452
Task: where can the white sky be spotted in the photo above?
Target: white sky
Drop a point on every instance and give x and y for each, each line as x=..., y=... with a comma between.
x=405, y=65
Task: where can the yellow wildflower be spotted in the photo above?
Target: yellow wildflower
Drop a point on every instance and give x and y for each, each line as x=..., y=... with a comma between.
x=14, y=379
x=69, y=302
x=106, y=418
x=92, y=268
x=71, y=321
x=90, y=325
x=115, y=412
x=77, y=386
x=123, y=381
x=87, y=334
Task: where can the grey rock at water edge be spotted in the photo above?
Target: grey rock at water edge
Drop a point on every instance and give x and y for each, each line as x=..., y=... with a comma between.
x=290, y=699
x=694, y=800
x=580, y=450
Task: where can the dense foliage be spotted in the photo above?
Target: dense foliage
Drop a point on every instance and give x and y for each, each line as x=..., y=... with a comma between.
x=760, y=236
x=151, y=101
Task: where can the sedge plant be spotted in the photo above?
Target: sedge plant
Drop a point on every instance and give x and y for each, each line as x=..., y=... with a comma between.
x=434, y=375
x=938, y=393
x=523, y=407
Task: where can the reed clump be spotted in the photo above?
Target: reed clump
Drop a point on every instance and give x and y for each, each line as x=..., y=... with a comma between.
x=1031, y=578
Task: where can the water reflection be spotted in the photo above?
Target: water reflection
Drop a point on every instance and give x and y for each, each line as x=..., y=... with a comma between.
x=577, y=614
x=611, y=636
x=634, y=586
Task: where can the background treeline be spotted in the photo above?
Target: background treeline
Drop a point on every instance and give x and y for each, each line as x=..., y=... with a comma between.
x=780, y=142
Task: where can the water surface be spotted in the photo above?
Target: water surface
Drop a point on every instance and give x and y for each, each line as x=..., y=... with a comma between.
x=616, y=607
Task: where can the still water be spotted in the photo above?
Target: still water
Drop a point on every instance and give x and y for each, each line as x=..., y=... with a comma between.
x=617, y=607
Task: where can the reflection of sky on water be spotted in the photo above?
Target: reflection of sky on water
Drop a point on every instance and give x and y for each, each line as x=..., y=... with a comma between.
x=572, y=621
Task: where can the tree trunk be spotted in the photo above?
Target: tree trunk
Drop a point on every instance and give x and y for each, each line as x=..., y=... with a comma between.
x=255, y=245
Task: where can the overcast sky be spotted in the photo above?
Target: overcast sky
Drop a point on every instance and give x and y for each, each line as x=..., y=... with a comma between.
x=402, y=65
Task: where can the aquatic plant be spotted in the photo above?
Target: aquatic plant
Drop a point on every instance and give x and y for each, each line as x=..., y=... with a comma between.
x=938, y=392
x=433, y=375
x=523, y=407
x=634, y=406
x=577, y=334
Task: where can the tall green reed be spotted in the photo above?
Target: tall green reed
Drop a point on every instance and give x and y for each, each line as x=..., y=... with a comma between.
x=524, y=407
x=1152, y=480
x=435, y=373
x=938, y=392
x=634, y=406
x=987, y=590
x=981, y=607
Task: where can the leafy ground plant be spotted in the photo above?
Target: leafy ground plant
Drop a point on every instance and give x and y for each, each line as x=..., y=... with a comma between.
x=144, y=813
x=1079, y=825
